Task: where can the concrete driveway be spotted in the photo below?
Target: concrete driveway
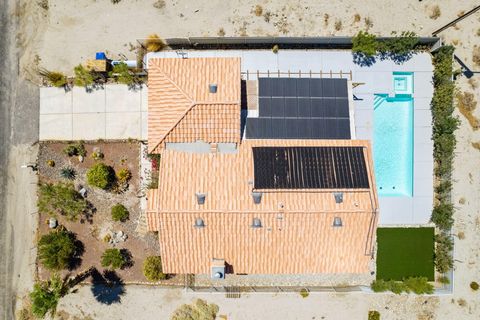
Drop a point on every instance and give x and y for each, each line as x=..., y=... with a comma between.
x=112, y=112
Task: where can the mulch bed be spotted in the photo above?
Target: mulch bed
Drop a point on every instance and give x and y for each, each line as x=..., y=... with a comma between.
x=92, y=230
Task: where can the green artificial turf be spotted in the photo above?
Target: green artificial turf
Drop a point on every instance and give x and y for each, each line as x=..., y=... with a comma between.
x=405, y=252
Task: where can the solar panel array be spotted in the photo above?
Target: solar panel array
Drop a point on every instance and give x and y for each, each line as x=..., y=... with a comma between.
x=310, y=168
x=301, y=108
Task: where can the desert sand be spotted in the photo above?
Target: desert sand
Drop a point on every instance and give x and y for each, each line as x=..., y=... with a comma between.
x=68, y=32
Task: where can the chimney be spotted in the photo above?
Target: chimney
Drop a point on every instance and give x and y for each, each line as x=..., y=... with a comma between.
x=338, y=197
x=200, y=197
x=199, y=223
x=337, y=222
x=256, y=223
x=212, y=87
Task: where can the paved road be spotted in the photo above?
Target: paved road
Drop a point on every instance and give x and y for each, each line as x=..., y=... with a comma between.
x=18, y=126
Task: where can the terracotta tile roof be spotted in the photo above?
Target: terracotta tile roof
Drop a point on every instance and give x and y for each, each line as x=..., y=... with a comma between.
x=178, y=87
x=302, y=241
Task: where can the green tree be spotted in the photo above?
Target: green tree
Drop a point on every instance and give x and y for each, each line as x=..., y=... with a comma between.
x=57, y=249
x=113, y=259
x=101, y=176
x=119, y=213
x=152, y=269
x=46, y=295
x=365, y=43
x=401, y=44
x=61, y=198
x=200, y=309
x=122, y=73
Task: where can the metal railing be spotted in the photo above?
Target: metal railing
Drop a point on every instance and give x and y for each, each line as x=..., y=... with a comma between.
x=297, y=74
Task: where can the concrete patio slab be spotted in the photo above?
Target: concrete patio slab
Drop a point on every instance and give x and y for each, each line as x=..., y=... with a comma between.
x=422, y=118
x=88, y=101
x=144, y=99
x=123, y=125
x=144, y=126
x=56, y=127
x=55, y=100
x=422, y=135
x=364, y=117
x=423, y=187
x=364, y=133
x=120, y=98
x=396, y=210
x=423, y=169
x=88, y=126
x=422, y=84
x=422, y=209
x=422, y=103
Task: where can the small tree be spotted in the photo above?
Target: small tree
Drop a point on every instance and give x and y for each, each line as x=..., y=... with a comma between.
x=152, y=269
x=373, y=315
x=154, y=43
x=83, y=76
x=61, y=198
x=119, y=213
x=200, y=309
x=54, y=78
x=113, y=259
x=101, y=176
x=474, y=286
x=365, y=44
x=57, y=249
x=122, y=73
x=46, y=295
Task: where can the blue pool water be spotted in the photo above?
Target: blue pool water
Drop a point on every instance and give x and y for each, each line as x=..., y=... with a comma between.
x=393, y=139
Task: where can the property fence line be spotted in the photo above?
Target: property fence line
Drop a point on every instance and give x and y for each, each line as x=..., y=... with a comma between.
x=454, y=22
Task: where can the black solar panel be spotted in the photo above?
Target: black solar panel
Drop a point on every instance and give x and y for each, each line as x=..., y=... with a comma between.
x=310, y=168
x=304, y=104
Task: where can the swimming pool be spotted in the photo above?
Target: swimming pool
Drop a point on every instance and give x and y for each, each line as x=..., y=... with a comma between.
x=393, y=138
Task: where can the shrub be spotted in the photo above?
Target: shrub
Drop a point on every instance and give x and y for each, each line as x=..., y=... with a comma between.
x=113, y=259
x=365, y=44
x=77, y=149
x=45, y=296
x=435, y=12
x=61, y=198
x=275, y=49
x=221, y=32
x=400, y=44
x=83, y=76
x=476, y=56
x=97, y=155
x=419, y=285
x=379, y=285
x=67, y=173
x=57, y=249
x=442, y=216
x=51, y=163
x=200, y=309
x=474, y=286
x=304, y=293
x=356, y=18
x=368, y=23
x=122, y=74
x=101, y=176
x=54, y=78
x=119, y=213
x=373, y=315
x=152, y=269
x=124, y=175
x=154, y=43
x=443, y=280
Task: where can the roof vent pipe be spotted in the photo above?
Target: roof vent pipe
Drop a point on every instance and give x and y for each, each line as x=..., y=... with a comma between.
x=199, y=223
x=337, y=222
x=200, y=198
x=212, y=87
x=257, y=197
x=338, y=197
x=256, y=223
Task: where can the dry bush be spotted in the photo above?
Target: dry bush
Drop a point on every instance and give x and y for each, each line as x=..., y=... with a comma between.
x=154, y=43
x=258, y=10
x=338, y=25
x=478, y=32
x=462, y=200
x=368, y=22
x=476, y=55
x=476, y=145
x=435, y=12
x=461, y=13
x=455, y=42
x=461, y=235
x=221, y=32
x=160, y=4
x=326, y=17
x=43, y=4
x=266, y=16
x=462, y=302
x=473, y=83
x=466, y=104
x=356, y=18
